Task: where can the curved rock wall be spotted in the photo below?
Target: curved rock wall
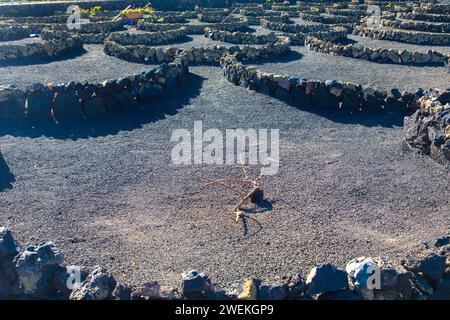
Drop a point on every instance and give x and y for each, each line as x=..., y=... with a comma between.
x=346, y=96
x=147, y=38
x=48, y=19
x=191, y=28
x=345, y=12
x=92, y=32
x=80, y=100
x=12, y=32
x=208, y=18
x=39, y=272
x=47, y=9
x=243, y=37
x=292, y=28
x=377, y=54
x=435, y=8
x=180, y=14
x=55, y=44
x=424, y=17
x=441, y=27
x=329, y=19
x=414, y=37
x=141, y=53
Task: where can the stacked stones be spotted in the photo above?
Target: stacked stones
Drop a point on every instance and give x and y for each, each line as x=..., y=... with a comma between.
x=142, y=53
x=171, y=17
x=292, y=28
x=428, y=129
x=433, y=8
x=182, y=14
x=277, y=14
x=58, y=19
x=39, y=272
x=55, y=44
x=298, y=33
x=97, y=32
x=346, y=12
x=428, y=25
x=441, y=27
x=94, y=31
x=333, y=35
x=13, y=32
x=190, y=28
x=60, y=7
x=414, y=37
x=423, y=17
x=213, y=15
x=147, y=38
x=377, y=54
x=346, y=96
x=257, y=20
x=330, y=19
x=137, y=46
x=84, y=100
x=241, y=37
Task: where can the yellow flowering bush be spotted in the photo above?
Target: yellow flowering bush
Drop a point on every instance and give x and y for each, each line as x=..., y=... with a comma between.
x=90, y=11
x=136, y=13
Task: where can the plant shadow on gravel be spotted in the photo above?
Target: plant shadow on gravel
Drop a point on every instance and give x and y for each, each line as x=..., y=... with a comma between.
x=6, y=176
x=110, y=122
x=44, y=60
x=250, y=224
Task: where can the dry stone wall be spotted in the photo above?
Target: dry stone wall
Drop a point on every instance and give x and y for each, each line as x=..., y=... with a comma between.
x=66, y=102
x=39, y=272
x=298, y=34
x=191, y=28
x=292, y=28
x=13, y=32
x=142, y=53
x=243, y=37
x=424, y=17
x=330, y=19
x=346, y=96
x=148, y=38
x=428, y=129
x=440, y=27
x=56, y=44
x=414, y=37
x=377, y=54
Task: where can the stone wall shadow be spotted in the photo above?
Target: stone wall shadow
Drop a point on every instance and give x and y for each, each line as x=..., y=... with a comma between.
x=6, y=176
x=370, y=117
x=109, y=123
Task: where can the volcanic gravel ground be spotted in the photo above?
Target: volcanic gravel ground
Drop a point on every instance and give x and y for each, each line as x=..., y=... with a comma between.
x=106, y=192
